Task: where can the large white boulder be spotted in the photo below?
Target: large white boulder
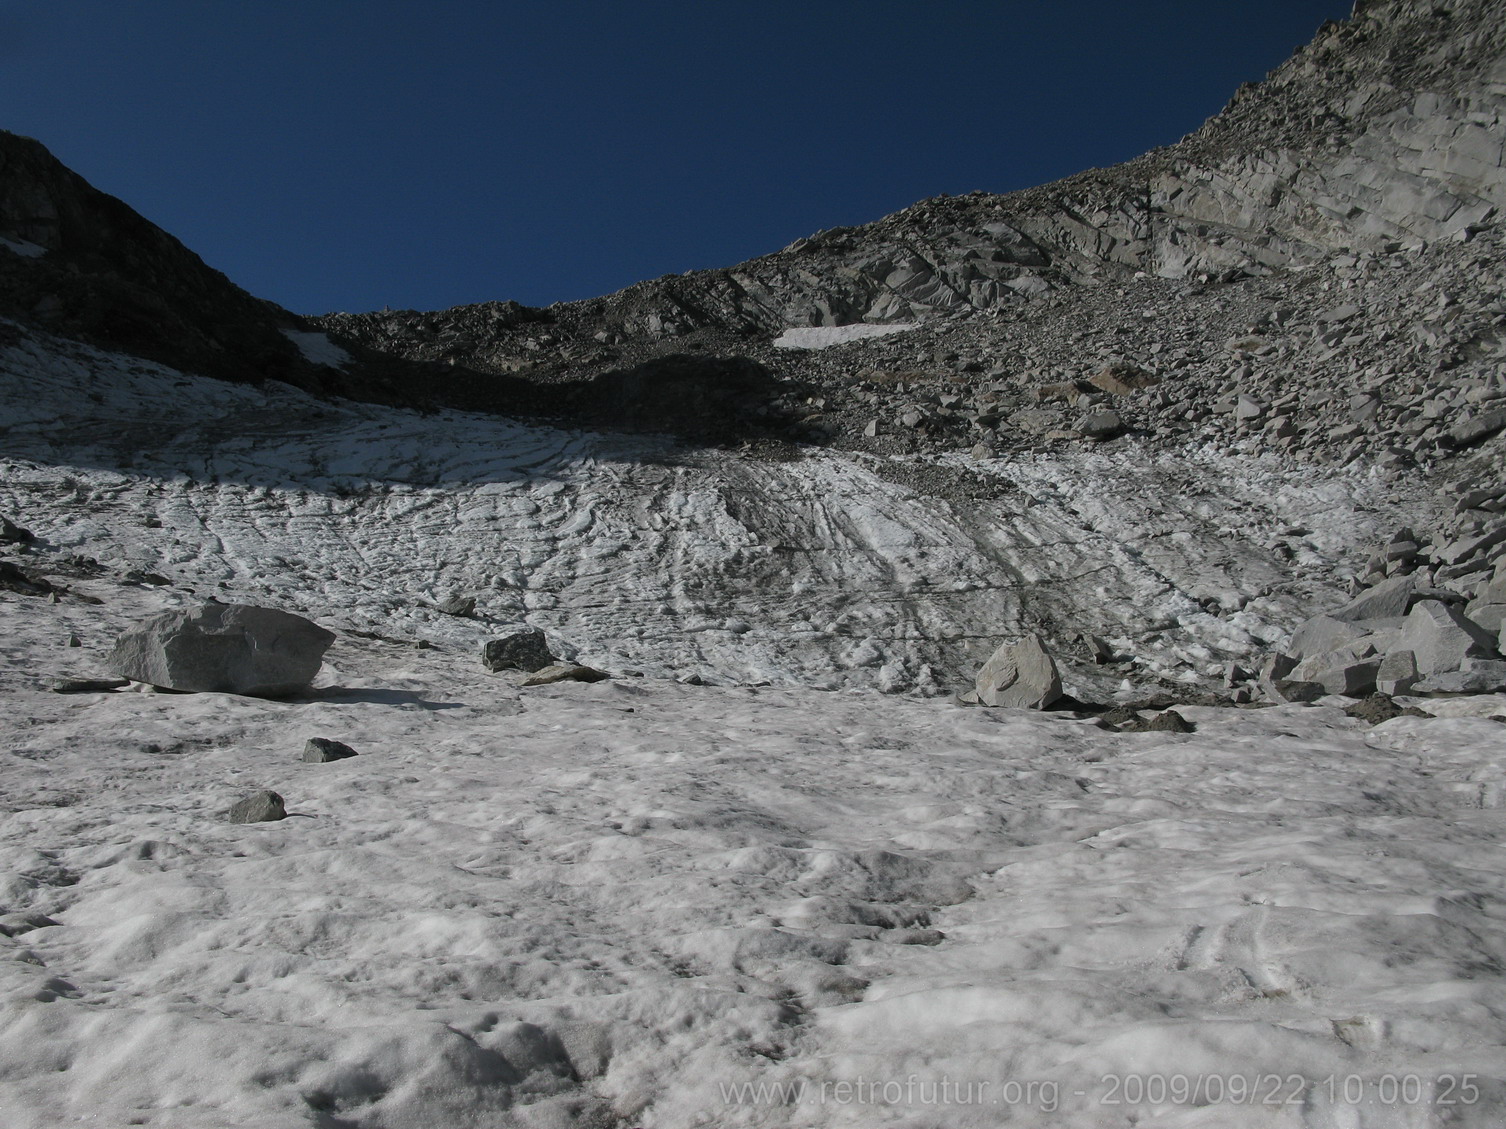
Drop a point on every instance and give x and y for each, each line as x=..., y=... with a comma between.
x=225, y=648
x=1022, y=675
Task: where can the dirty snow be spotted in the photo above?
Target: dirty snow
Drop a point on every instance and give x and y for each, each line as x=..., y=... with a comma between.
x=825, y=336
x=644, y=903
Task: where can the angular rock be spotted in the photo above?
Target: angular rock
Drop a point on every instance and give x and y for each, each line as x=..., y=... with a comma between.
x=259, y=807
x=223, y=648
x=1493, y=592
x=1441, y=638
x=86, y=685
x=1477, y=428
x=1293, y=690
x=13, y=534
x=1276, y=666
x=1387, y=600
x=322, y=750
x=565, y=672
x=1020, y=675
x=1101, y=425
x=14, y=578
x=1350, y=679
x=1098, y=651
x=523, y=650
x=1489, y=617
x=1397, y=673
x=1477, y=676
x=458, y=605
x=1321, y=635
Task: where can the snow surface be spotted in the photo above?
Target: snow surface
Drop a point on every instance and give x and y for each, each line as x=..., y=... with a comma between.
x=636, y=902
x=23, y=247
x=825, y=336
x=317, y=348
x=638, y=554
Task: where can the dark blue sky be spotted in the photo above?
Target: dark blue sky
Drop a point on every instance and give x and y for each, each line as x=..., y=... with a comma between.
x=351, y=154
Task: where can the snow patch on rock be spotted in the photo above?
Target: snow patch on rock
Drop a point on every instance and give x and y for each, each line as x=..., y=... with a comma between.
x=825, y=336
x=318, y=349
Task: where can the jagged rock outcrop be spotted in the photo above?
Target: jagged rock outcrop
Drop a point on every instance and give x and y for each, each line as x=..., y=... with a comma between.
x=1380, y=132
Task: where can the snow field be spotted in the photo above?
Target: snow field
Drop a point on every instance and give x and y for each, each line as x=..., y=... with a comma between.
x=644, y=903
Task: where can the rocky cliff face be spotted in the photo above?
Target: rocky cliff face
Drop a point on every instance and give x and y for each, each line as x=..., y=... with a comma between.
x=84, y=264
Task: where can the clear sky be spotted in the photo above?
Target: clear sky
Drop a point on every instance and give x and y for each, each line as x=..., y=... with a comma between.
x=354, y=154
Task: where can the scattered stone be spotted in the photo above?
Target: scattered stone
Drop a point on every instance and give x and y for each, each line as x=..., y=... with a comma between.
x=1097, y=650
x=150, y=579
x=87, y=685
x=223, y=648
x=1379, y=707
x=1020, y=675
x=523, y=650
x=1101, y=425
x=13, y=534
x=259, y=807
x=322, y=750
x=1168, y=721
x=14, y=578
x=458, y=606
x=565, y=672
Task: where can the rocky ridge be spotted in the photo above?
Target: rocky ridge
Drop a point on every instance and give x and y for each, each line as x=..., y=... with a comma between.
x=1350, y=163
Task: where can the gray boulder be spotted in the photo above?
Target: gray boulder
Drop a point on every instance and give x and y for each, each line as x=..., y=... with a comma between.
x=1352, y=679
x=223, y=648
x=1101, y=425
x=1441, y=638
x=1475, y=676
x=565, y=672
x=13, y=534
x=1021, y=675
x=463, y=606
x=259, y=807
x=1490, y=617
x=1322, y=635
x=1387, y=600
x=87, y=685
x=1292, y=690
x=1397, y=673
x=523, y=650
x=321, y=750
